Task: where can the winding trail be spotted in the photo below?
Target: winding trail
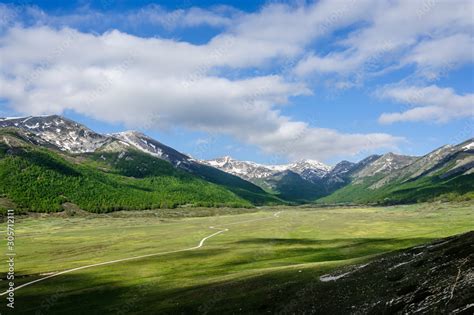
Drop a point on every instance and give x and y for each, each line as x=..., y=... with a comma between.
x=201, y=244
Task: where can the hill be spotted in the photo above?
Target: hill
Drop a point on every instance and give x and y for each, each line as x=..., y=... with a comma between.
x=130, y=153
x=435, y=278
x=294, y=182
x=445, y=173
x=41, y=179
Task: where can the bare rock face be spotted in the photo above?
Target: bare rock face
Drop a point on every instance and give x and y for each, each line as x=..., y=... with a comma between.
x=384, y=165
x=244, y=169
x=148, y=145
x=309, y=179
x=436, y=278
x=70, y=136
x=64, y=134
x=308, y=169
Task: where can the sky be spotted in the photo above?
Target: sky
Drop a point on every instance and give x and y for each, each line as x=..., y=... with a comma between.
x=267, y=81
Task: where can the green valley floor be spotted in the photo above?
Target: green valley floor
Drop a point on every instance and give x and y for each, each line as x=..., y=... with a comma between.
x=219, y=261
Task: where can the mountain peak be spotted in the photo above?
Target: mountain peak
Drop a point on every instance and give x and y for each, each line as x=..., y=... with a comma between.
x=146, y=144
x=309, y=163
x=133, y=133
x=383, y=164
x=308, y=169
x=65, y=134
x=393, y=155
x=468, y=145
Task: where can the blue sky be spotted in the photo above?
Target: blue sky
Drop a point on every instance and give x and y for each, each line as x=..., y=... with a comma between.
x=264, y=81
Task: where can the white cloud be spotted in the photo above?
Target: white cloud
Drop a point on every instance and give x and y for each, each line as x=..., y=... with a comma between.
x=427, y=33
x=156, y=15
x=438, y=56
x=430, y=103
x=331, y=63
x=158, y=83
x=151, y=15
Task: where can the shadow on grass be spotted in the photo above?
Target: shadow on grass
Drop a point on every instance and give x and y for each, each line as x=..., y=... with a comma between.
x=73, y=294
x=310, y=250
x=308, y=241
x=89, y=293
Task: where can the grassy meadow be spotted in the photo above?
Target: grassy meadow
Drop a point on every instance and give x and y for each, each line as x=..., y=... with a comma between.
x=256, y=266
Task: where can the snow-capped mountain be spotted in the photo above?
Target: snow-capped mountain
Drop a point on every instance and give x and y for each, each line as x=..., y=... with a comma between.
x=300, y=180
x=308, y=169
x=70, y=136
x=153, y=147
x=444, y=162
x=385, y=164
x=302, y=165
x=243, y=169
x=60, y=132
x=468, y=146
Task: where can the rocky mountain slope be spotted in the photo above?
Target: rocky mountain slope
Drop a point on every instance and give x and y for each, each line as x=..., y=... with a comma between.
x=298, y=181
x=447, y=171
x=57, y=131
x=69, y=136
x=307, y=169
x=74, y=141
x=436, y=278
x=307, y=180
x=378, y=178
x=244, y=169
x=37, y=179
x=382, y=165
x=155, y=148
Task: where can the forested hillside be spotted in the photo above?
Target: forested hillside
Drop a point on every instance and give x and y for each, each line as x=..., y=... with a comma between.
x=39, y=179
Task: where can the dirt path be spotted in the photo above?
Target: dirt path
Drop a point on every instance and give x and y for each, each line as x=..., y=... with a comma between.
x=201, y=244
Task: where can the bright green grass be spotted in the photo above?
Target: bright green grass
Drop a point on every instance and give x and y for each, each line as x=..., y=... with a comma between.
x=258, y=255
x=428, y=188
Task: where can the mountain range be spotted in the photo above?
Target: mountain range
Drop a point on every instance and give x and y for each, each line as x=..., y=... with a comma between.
x=50, y=151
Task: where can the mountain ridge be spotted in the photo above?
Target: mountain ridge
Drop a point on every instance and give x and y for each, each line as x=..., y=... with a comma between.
x=76, y=142
x=373, y=179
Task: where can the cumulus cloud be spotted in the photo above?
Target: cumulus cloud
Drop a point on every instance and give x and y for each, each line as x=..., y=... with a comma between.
x=436, y=57
x=430, y=34
x=152, y=15
x=163, y=83
x=430, y=103
x=159, y=83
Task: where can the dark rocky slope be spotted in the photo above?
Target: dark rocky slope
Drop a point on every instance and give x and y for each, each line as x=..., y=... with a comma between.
x=437, y=278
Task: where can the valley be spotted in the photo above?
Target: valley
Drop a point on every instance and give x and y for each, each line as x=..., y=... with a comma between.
x=121, y=223
x=237, y=157
x=281, y=248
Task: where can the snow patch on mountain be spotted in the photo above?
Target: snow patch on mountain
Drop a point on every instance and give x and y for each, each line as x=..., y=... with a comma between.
x=385, y=164
x=150, y=146
x=139, y=141
x=469, y=146
x=308, y=169
x=243, y=169
x=72, y=137
x=65, y=134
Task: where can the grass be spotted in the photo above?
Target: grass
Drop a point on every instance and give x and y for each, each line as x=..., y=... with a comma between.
x=42, y=180
x=142, y=165
x=246, y=268
x=425, y=189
